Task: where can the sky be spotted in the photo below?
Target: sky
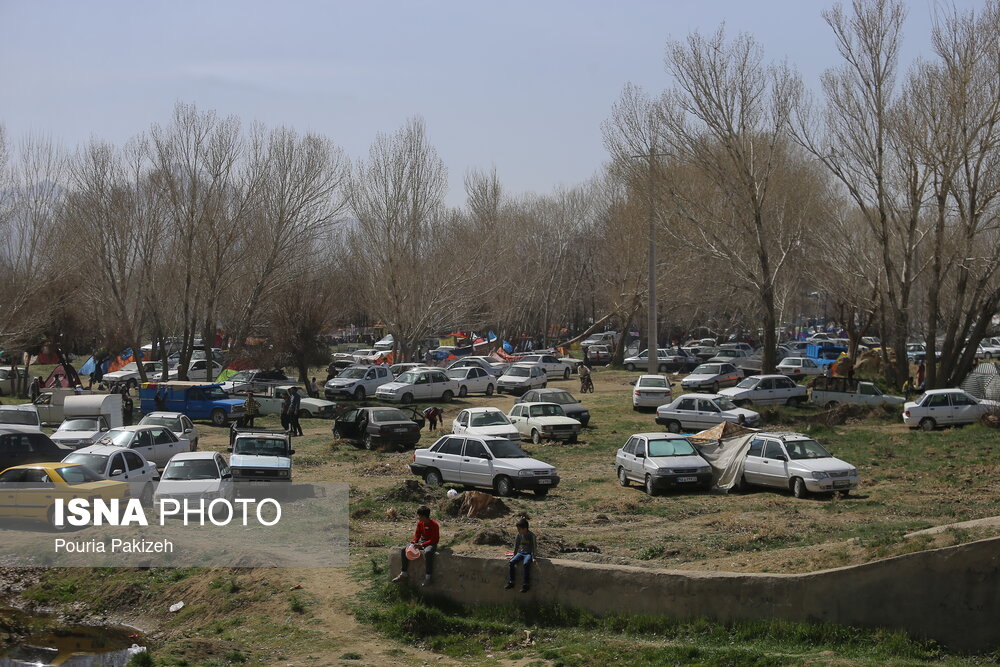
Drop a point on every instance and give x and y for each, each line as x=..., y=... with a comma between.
x=522, y=86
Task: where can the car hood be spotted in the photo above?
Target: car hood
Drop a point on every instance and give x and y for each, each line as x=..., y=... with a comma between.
x=500, y=430
x=734, y=415
x=75, y=435
x=700, y=377
x=827, y=464
x=554, y=421
x=515, y=379
x=342, y=382
x=734, y=392
x=689, y=461
x=523, y=464
x=393, y=386
x=168, y=486
x=258, y=461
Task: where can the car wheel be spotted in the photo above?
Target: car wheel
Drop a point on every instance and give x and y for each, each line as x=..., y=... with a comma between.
x=541, y=493
x=489, y=390
x=650, y=489
x=792, y=402
x=536, y=437
x=831, y=405
x=544, y=385
x=146, y=498
x=573, y=439
x=674, y=426
x=927, y=424
x=219, y=417
x=336, y=434
x=304, y=414
x=463, y=391
x=741, y=484
x=715, y=387
x=622, y=477
x=407, y=398
x=566, y=374
x=630, y=368
x=359, y=394
x=447, y=396
x=369, y=442
x=799, y=488
x=433, y=478
x=51, y=519
x=663, y=368
x=503, y=486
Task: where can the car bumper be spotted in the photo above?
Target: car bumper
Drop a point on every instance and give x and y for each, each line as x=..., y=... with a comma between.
x=539, y=482
x=419, y=469
x=516, y=389
x=701, y=480
x=649, y=401
x=338, y=393
x=697, y=385
x=834, y=484
x=398, y=438
x=391, y=398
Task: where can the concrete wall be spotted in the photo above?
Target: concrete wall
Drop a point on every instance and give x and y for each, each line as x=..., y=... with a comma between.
x=951, y=595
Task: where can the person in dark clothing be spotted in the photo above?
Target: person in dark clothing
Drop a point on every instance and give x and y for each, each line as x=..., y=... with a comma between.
x=433, y=415
x=252, y=408
x=524, y=552
x=425, y=538
x=294, y=405
x=286, y=402
x=127, y=406
x=160, y=398
x=35, y=389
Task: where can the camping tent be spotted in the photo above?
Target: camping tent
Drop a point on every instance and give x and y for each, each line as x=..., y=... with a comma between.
x=725, y=448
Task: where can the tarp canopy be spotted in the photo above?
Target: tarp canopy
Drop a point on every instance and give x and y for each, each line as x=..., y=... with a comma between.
x=226, y=374
x=725, y=448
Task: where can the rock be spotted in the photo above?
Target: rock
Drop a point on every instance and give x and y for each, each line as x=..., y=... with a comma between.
x=410, y=491
x=476, y=505
x=176, y=607
x=492, y=536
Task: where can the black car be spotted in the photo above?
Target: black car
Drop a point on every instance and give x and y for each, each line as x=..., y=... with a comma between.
x=18, y=448
x=571, y=406
x=379, y=425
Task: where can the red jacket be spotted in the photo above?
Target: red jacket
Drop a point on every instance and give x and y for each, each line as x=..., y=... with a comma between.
x=427, y=533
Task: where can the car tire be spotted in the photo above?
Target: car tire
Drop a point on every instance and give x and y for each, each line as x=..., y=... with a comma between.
x=489, y=390
x=503, y=486
x=792, y=402
x=741, y=485
x=650, y=489
x=544, y=385
x=674, y=426
x=566, y=374
x=573, y=439
x=541, y=493
x=662, y=368
x=369, y=442
x=799, y=489
x=433, y=477
x=219, y=417
x=336, y=434
x=305, y=414
x=927, y=424
x=830, y=405
x=146, y=497
x=536, y=437
x=407, y=398
x=623, y=479
x=630, y=368
x=359, y=394
x=447, y=396
x=50, y=518
x=463, y=391
x=715, y=387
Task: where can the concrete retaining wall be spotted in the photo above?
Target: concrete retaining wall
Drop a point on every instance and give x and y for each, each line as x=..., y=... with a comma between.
x=951, y=595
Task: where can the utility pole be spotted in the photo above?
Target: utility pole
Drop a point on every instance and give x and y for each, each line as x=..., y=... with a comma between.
x=652, y=338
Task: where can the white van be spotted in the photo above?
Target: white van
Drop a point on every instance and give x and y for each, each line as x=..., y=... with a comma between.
x=87, y=419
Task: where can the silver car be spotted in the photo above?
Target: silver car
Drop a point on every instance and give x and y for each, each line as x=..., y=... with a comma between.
x=796, y=462
x=661, y=461
x=712, y=377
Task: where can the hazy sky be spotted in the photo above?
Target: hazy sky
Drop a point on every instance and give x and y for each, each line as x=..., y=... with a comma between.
x=520, y=85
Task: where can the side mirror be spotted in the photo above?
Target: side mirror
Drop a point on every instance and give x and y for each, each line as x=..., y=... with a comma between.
x=781, y=457
x=291, y=451
x=103, y=429
x=228, y=475
x=229, y=449
x=640, y=456
x=116, y=471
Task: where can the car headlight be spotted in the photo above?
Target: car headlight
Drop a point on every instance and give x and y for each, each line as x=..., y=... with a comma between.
x=525, y=473
x=282, y=473
x=585, y=413
x=820, y=475
x=546, y=429
x=852, y=472
x=704, y=469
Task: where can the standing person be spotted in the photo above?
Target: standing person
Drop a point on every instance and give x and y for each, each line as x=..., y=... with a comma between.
x=921, y=372
x=160, y=398
x=313, y=389
x=524, y=552
x=252, y=406
x=425, y=538
x=829, y=370
x=286, y=401
x=908, y=388
x=35, y=389
x=127, y=406
x=293, y=411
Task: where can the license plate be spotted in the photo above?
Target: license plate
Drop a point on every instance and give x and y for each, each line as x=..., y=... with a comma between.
x=841, y=485
x=545, y=481
x=682, y=480
x=401, y=429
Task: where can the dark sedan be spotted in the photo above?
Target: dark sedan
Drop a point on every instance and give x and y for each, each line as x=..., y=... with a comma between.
x=19, y=448
x=378, y=426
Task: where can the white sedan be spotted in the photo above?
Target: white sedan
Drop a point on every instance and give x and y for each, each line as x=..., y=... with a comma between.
x=472, y=380
x=519, y=378
x=697, y=412
x=178, y=423
x=484, y=421
x=764, y=389
x=799, y=366
x=543, y=421
x=944, y=407
x=422, y=385
x=156, y=443
x=121, y=466
x=651, y=391
x=550, y=364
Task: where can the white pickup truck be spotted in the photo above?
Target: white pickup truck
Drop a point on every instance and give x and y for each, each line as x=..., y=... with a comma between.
x=828, y=392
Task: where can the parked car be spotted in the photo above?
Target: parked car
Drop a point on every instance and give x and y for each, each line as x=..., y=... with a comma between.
x=38, y=486
x=199, y=371
x=712, y=377
x=491, y=366
x=946, y=407
x=357, y=382
x=129, y=374
x=155, y=443
x=798, y=366
x=88, y=418
x=195, y=476
x=364, y=354
x=309, y=408
x=17, y=447
x=572, y=407
x=420, y=385
x=608, y=338
x=121, y=466
x=483, y=461
x=8, y=377
x=385, y=343
x=472, y=380
x=641, y=361
x=22, y=418
x=729, y=356
x=260, y=455
x=197, y=354
x=197, y=400
x=378, y=425
x=651, y=391
x=255, y=380
x=659, y=461
x=484, y=421
x=399, y=369
x=50, y=402
x=77, y=432
x=599, y=355
x=767, y=389
x=178, y=423
x=543, y=421
x=828, y=392
x=553, y=368
x=697, y=412
x=746, y=347
x=798, y=463
x=519, y=378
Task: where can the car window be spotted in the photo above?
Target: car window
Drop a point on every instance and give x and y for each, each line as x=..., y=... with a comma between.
x=145, y=439
x=530, y=396
x=163, y=436
x=451, y=446
x=117, y=464
x=463, y=419
x=687, y=404
x=706, y=406
x=475, y=449
x=772, y=450
x=629, y=447
x=37, y=477
x=133, y=461
x=223, y=466
x=937, y=401
x=961, y=399
x=756, y=448
x=806, y=363
x=382, y=372
x=640, y=447
x=784, y=383
x=766, y=383
x=12, y=476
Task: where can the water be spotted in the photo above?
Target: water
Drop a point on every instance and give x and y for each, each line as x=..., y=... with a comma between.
x=70, y=645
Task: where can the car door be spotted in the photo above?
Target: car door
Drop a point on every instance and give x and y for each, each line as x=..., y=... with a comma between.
x=10, y=480
x=774, y=465
x=517, y=418
x=142, y=442
x=784, y=389
x=938, y=408
x=347, y=424
x=687, y=413
x=461, y=424
x=477, y=464
x=225, y=478
x=622, y=456
x=539, y=378
x=165, y=445
x=43, y=405
x=764, y=392
x=422, y=387
x=965, y=410
x=189, y=431
x=35, y=494
x=637, y=463
x=751, y=465
x=447, y=458
x=708, y=414
x=138, y=474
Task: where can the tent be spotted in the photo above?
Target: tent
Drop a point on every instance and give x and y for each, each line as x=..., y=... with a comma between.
x=725, y=448
x=62, y=376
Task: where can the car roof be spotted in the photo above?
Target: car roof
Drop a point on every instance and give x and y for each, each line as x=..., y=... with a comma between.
x=654, y=375
x=944, y=391
x=162, y=414
x=539, y=403
x=101, y=449
x=190, y=456
x=549, y=390
x=20, y=408
x=137, y=427
x=483, y=409
x=48, y=465
x=699, y=396
x=773, y=376
x=660, y=434
x=784, y=435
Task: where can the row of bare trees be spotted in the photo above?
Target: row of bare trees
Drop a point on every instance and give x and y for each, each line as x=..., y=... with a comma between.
x=880, y=194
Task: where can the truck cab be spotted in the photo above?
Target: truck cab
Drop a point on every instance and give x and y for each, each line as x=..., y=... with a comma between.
x=87, y=419
x=49, y=404
x=260, y=455
x=197, y=400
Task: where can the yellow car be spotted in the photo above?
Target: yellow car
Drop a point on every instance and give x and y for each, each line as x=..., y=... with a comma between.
x=29, y=491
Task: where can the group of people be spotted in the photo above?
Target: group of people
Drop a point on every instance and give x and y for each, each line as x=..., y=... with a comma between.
x=911, y=387
x=428, y=534
x=291, y=404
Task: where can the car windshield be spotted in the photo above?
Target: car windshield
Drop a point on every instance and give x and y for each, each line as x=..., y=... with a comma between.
x=489, y=419
x=93, y=461
x=724, y=403
x=21, y=417
x=80, y=425
x=547, y=410
x=561, y=397
x=117, y=437
x=191, y=469
x=506, y=449
x=706, y=369
x=519, y=372
x=173, y=423
x=389, y=415
x=261, y=447
x=353, y=373
x=77, y=475
x=747, y=383
x=408, y=378
x=805, y=449
x=671, y=447
x=214, y=394
x=652, y=382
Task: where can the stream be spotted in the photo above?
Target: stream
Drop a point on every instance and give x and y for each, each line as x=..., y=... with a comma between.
x=37, y=639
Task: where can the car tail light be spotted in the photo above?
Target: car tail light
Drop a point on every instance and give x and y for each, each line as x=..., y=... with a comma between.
x=636, y=392
x=906, y=412
x=414, y=456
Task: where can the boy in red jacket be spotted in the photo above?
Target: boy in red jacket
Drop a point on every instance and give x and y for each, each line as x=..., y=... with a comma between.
x=425, y=538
